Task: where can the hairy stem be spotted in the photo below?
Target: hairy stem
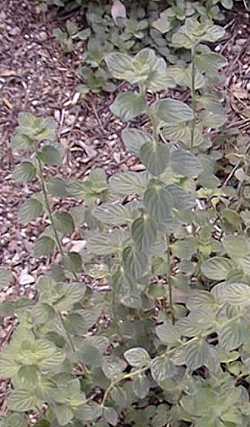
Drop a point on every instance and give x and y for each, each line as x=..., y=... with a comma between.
x=69, y=339
x=170, y=288
x=50, y=215
x=193, y=73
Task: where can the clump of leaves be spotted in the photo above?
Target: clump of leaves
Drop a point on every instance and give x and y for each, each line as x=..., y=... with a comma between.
x=71, y=33
x=166, y=342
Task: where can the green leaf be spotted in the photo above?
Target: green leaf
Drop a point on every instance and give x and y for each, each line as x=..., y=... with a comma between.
x=70, y=294
x=173, y=112
x=24, y=172
x=141, y=386
x=134, y=139
x=128, y=105
x=183, y=200
x=167, y=333
x=231, y=335
x=44, y=246
x=126, y=183
x=73, y=262
x=57, y=187
x=236, y=246
x=106, y=243
x=64, y=222
x=113, y=214
x=110, y=415
x=113, y=366
x=197, y=354
x=119, y=64
x=232, y=293
x=88, y=413
x=36, y=128
x=162, y=368
x=144, y=233
x=14, y=420
x=163, y=24
x=91, y=356
x=210, y=63
x=22, y=400
x=158, y=202
x=6, y=277
x=42, y=423
x=228, y=4
x=30, y=210
x=50, y=155
x=63, y=413
x=135, y=262
x=185, y=163
x=217, y=268
x=155, y=156
x=137, y=357
x=162, y=417
x=182, y=132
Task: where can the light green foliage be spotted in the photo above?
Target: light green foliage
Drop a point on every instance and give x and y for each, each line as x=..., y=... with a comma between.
x=166, y=342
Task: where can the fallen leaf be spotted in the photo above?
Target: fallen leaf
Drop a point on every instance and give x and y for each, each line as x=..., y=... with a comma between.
x=26, y=278
x=118, y=10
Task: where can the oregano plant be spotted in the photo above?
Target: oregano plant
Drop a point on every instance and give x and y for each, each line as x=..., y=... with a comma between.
x=144, y=321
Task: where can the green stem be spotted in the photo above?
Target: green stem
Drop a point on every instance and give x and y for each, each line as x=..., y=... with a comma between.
x=193, y=72
x=170, y=288
x=162, y=356
x=50, y=215
x=143, y=92
x=70, y=341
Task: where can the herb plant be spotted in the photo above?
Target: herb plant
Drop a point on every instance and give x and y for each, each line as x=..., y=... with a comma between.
x=161, y=339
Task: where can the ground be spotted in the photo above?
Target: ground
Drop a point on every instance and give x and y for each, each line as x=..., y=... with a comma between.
x=37, y=76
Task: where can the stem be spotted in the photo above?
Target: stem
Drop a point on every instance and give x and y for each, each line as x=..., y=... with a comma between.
x=193, y=72
x=143, y=92
x=164, y=354
x=170, y=288
x=67, y=334
x=46, y=199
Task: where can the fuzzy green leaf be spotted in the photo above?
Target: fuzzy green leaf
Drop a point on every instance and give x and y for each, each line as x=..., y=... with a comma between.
x=144, y=233
x=30, y=210
x=44, y=247
x=141, y=386
x=231, y=335
x=185, y=163
x=128, y=105
x=64, y=222
x=113, y=214
x=110, y=415
x=57, y=187
x=50, y=155
x=137, y=357
x=126, y=183
x=24, y=172
x=119, y=65
x=134, y=139
x=217, y=268
x=22, y=400
x=155, y=157
x=173, y=112
x=135, y=262
x=232, y=293
x=162, y=368
x=159, y=203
